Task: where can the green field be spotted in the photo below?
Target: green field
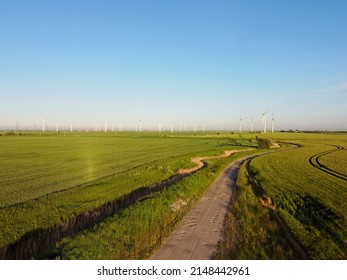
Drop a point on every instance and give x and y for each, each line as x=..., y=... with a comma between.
x=311, y=201
x=50, y=180
x=45, y=180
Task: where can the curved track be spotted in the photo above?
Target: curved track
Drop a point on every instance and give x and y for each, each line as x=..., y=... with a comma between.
x=315, y=162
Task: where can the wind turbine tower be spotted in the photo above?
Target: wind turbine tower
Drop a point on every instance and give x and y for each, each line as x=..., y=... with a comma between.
x=140, y=125
x=57, y=127
x=171, y=128
x=273, y=122
x=105, y=125
x=252, y=124
x=43, y=125
x=71, y=122
x=240, y=128
x=264, y=121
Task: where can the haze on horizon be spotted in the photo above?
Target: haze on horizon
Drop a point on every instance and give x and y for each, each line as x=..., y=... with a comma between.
x=205, y=62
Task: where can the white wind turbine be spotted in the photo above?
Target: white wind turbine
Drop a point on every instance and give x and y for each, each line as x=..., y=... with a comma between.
x=71, y=123
x=171, y=126
x=273, y=122
x=105, y=125
x=140, y=125
x=240, y=128
x=57, y=126
x=252, y=124
x=43, y=125
x=264, y=121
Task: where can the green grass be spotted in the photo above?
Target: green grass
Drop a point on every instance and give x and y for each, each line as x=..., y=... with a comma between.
x=311, y=202
x=336, y=160
x=250, y=231
x=134, y=233
x=48, y=179
x=44, y=180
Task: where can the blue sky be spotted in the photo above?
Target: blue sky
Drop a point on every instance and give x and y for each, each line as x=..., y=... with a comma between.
x=205, y=62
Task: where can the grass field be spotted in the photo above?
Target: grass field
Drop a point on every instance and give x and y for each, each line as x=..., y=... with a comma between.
x=311, y=201
x=251, y=232
x=50, y=180
x=47, y=179
x=138, y=230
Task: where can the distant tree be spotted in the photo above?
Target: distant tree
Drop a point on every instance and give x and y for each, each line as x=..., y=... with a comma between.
x=264, y=143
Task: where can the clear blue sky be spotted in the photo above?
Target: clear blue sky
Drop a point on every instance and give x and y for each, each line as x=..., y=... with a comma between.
x=208, y=62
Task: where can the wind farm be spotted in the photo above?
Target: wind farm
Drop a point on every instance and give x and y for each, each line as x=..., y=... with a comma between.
x=176, y=130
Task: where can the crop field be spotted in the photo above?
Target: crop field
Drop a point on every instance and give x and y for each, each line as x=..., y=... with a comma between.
x=117, y=196
x=46, y=180
x=310, y=196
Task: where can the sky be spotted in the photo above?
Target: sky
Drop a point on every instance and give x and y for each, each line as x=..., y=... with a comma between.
x=208, y=63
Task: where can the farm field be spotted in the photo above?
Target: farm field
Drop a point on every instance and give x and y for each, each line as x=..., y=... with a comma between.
x=311, y=201
x=47, y=182
x=47, y=179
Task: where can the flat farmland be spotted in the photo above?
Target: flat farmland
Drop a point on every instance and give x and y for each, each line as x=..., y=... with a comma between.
x=112, y=196
x=47, y=179
x=311, y=199
x=35, y=166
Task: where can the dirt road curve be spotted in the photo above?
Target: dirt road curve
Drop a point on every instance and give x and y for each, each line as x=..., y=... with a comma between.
x=199, y=232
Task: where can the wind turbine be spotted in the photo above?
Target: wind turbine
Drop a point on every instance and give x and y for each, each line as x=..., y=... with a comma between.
x=180, y=126
x=171, y=128
x=105, y=125
x=57, y=126
x=43, y=125
x=252, y=124
x=264, y=121
x=140, y=125
x=71, y=123
x=121, y=127
x=96, y=126
x=240, y=128
x=273, y=122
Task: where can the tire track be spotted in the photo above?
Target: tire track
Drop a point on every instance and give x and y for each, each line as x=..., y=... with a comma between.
x=314, y=161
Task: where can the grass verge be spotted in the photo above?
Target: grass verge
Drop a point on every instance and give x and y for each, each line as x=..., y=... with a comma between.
x=251, y=231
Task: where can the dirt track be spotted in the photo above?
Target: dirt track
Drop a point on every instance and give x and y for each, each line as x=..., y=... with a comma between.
x=199, y=232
